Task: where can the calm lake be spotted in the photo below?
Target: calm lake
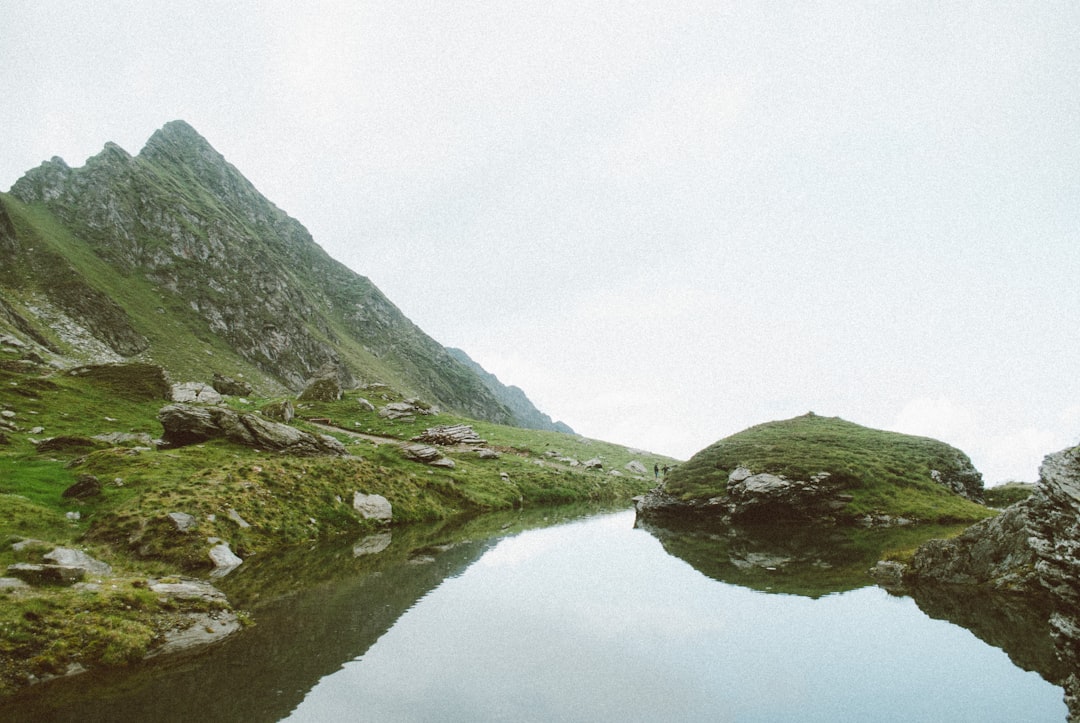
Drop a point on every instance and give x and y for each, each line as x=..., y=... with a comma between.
x=566, y=616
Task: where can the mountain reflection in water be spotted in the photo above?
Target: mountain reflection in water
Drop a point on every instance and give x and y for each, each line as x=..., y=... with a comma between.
x=495, y=618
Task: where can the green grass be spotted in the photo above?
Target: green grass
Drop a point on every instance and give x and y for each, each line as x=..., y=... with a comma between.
x=1008, y=494
x=885, y=472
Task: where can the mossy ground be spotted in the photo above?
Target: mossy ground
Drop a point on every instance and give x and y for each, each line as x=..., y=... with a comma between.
x=885, y=472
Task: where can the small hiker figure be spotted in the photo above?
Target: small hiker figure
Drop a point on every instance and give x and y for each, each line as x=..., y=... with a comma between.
x=656, y=471
x=666, y=470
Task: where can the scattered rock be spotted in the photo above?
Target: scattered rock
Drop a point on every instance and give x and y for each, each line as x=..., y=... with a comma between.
x=68, y=557
x=373, y=507
x=365, y=404
x=86, y=485
x=186, y=424
x=635, y=467
x=195, y=393
x=427, y=455
x=7, y=584
x=594, y=463
x=183, y=521
x=235, y=517
x=487, y=453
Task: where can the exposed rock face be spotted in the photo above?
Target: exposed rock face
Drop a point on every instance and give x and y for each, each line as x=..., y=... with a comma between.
x=180, y=216
x=1030, y=549
x=427, y=455
x=77, y=559
x=1033, y=546
x=186, y=424
x=750, y=497
x=774, y=496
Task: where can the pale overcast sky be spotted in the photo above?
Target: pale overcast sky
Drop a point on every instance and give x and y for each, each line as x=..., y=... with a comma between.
x=666, y=221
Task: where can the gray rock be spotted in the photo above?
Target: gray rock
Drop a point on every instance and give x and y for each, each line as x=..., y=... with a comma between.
x=188, y=424
x=224, y=559
x=235, y=517
x=373, y=507
x=487, y=453
x=594, y=463
x=195, y=393
x=67, y=557
x=183, y=521
x=8, y=584
x=427, y=455
x=365, y=404
x=635, y=467
x=739, y=474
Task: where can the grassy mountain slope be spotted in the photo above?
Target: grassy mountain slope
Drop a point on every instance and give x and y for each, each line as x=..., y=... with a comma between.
x=172, y=256
x=884, y=472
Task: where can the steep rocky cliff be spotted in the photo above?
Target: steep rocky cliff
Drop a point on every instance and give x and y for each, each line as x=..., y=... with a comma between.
x=173, y=256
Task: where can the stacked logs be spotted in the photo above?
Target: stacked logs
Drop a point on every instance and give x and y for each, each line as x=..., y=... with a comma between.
x=449, y=435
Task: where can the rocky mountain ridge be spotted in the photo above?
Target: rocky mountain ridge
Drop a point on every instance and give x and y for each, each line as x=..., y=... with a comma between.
x=172, y=256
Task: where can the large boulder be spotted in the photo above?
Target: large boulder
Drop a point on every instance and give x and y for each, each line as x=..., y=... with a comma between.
x=187, y=424
x=373, y=507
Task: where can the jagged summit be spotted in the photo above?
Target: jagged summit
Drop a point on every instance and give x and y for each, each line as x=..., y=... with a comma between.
x=175, y=256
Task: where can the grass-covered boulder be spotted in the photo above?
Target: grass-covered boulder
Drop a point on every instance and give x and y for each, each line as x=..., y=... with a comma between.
x=822, y=468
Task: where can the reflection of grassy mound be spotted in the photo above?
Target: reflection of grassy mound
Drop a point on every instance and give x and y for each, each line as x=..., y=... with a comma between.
x=885, y=472
x=791, y=559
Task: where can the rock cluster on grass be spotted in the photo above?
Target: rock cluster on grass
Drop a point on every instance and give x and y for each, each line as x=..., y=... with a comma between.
x=427, y=455
x=188, y=424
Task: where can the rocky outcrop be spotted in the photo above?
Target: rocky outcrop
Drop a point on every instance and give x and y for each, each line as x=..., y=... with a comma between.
x=407, y=409
x=187, y=424
x=750, y=497
x=1031, y=547
x=1031, y=550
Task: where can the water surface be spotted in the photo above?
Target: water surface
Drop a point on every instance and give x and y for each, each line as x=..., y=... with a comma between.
x=590, y=619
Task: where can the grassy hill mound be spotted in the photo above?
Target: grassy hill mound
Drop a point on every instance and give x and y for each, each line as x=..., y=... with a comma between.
x=885, y=473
